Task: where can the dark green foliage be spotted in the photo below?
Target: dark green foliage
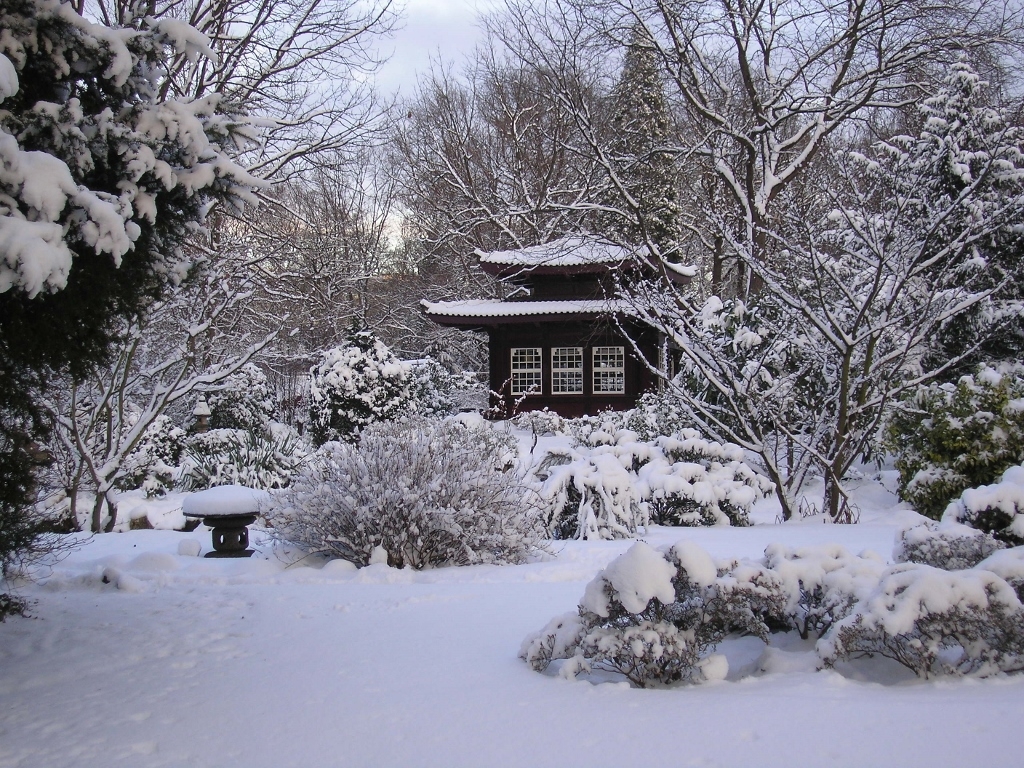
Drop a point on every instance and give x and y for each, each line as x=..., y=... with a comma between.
x=245, y=401
x=949, y=438
x=647, y=206
x=12, y=606
x=356, y=385
x=265, y=460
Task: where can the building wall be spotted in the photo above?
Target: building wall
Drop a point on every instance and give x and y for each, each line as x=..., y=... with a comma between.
x=504, y=338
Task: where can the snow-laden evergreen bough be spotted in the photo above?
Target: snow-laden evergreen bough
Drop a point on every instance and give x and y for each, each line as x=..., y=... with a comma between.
x=957, y=435
x=95, y=159
x=419, y=493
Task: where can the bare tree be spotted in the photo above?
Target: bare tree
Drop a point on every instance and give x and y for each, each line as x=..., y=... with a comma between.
x=804, y=373
x=489, y=161
x=182, y=345
x=762, y=85
x=302, y=66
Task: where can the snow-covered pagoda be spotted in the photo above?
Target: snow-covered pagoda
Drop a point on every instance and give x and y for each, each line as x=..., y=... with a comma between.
x=558, y=341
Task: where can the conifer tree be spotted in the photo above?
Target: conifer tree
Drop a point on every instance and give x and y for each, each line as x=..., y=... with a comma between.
x=966, y=145
x=644, y=188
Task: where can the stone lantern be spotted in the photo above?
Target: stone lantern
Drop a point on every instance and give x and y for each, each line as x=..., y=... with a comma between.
x=228, y=510
x=202, y=414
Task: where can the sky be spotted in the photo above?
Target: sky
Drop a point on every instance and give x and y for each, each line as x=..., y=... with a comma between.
x=445, y=29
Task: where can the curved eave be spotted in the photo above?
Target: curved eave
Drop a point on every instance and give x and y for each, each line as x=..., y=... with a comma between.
x=488, y=313
x=476, y=322
x=513, y=271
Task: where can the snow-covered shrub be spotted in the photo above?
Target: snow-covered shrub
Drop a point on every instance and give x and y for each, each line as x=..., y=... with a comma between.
x=543, y=422
x=421, y=492
x=934, y=622
x=356, y=385
x=655, y=617
x=997, y=508
x=589, y=495
x=611, y=485
x=952, y=437
x=1007, y=564
x=436, y=391
x=240, y=457
x=693, y=481
x=152, y=466
x=245, y=401
x=657, y=415
x=951, y=546
x=821, y=584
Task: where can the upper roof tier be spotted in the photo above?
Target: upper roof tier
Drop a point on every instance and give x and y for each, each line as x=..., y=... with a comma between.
x=481, y=313
x=574, y=254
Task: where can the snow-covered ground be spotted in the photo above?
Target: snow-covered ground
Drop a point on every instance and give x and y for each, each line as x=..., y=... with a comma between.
x=140, y=656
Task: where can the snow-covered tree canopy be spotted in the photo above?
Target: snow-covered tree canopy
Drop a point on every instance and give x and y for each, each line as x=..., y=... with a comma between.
x=91, y=159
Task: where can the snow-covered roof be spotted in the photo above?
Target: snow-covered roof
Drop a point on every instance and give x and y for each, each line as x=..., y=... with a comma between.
x=485, y=309
x=572, y=251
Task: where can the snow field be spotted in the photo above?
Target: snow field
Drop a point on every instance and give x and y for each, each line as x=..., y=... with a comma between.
x=179, y=660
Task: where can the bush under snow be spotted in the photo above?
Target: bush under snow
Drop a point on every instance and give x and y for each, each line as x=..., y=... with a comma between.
x=997, y=508
x=950, y=546
x=655, y=617
x=821, y=584
x=933, y=621
x=953, y=437
x=356, y=385
x=418, y=494
x=265, y=460
x=617, y=483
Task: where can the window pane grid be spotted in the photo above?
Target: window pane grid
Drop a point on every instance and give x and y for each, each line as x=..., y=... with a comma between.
x=526, y=370
x=609, y=370
x=566, y=370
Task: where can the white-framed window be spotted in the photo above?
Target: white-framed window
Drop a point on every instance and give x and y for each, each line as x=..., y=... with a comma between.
x=609, y=370
x=566, y=370
x=526, y=370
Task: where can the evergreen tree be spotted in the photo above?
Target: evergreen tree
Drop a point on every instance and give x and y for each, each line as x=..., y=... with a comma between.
x=967, y=147
x=644, y=196
x=101, y=181
x=355, y=385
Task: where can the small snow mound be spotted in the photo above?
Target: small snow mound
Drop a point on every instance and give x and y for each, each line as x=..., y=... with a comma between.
x=154, y=561
x=225, y=500
x=637, y=576
x=338, y=566
x=189, y=548
x=123, y=581
x=379, y=556
x=714, y=667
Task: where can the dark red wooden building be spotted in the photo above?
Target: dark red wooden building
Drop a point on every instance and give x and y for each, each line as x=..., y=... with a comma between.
x=558, y=342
